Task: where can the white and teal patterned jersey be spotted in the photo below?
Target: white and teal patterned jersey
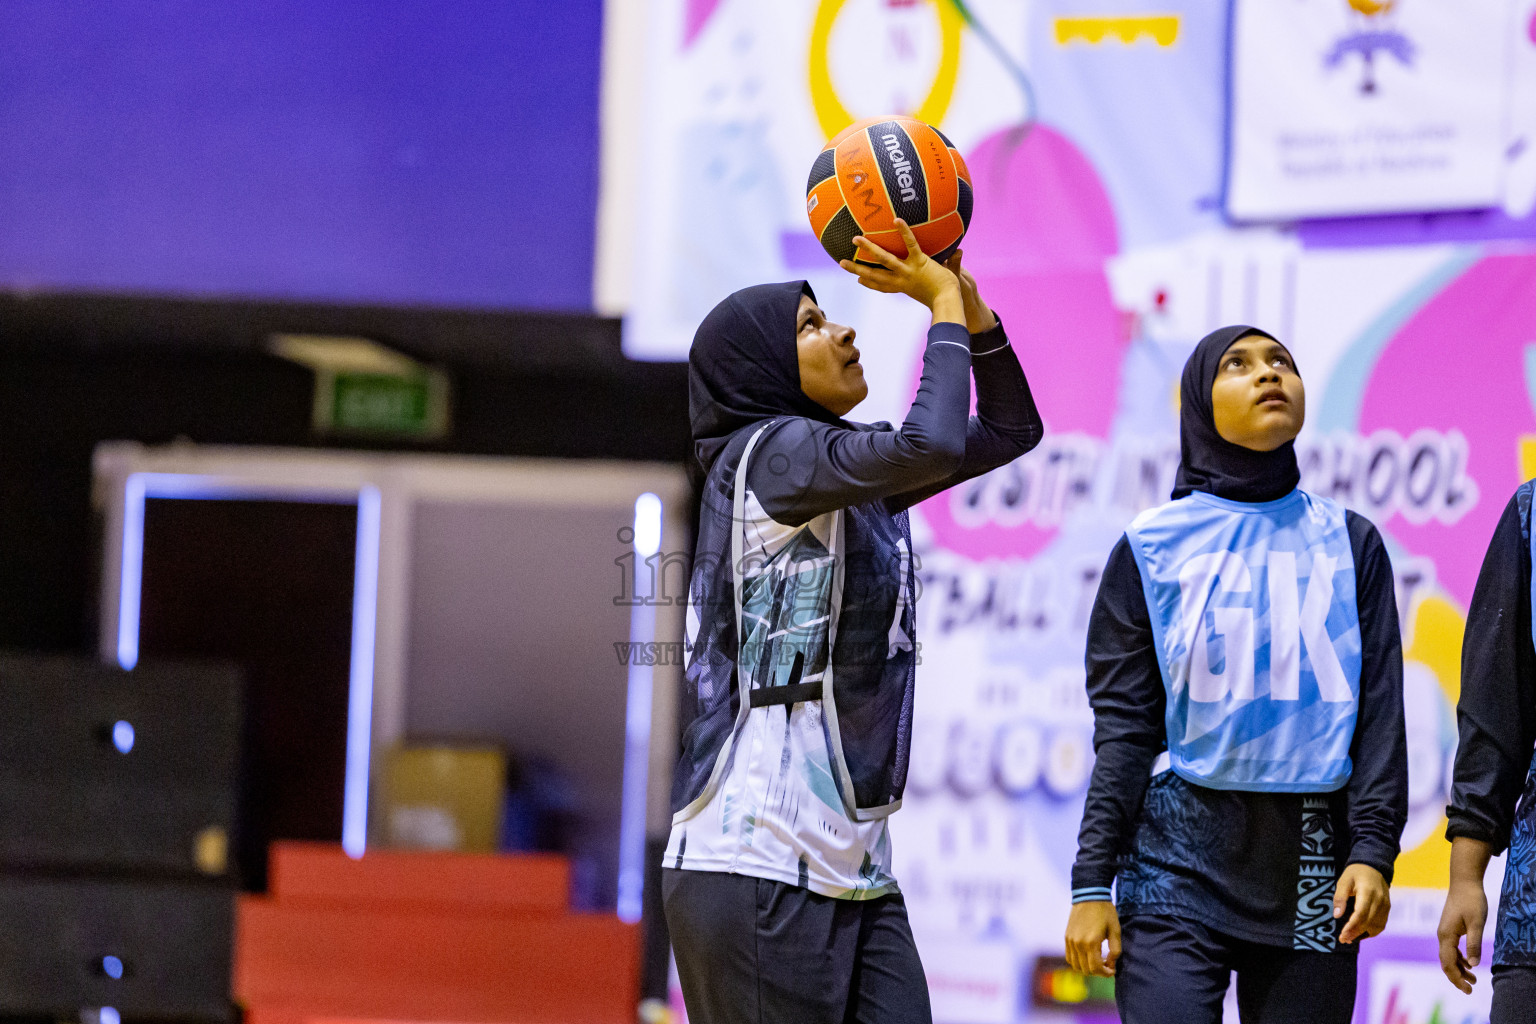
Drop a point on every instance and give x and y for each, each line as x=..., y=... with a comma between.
x=1258, y=637
x=776, y=812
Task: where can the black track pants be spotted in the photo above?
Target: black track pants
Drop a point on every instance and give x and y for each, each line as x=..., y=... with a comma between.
x=751, y=951
x=1176, y=971
x=1514, y=995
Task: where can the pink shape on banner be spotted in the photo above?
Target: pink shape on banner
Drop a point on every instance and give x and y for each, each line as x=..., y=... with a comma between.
x=1042, y=231
x=1040, y=207
x=1459, y=363
x=1530, y=30
x=695, y=17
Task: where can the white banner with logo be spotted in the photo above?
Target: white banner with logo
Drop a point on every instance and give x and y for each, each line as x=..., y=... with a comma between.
x=1371, y=106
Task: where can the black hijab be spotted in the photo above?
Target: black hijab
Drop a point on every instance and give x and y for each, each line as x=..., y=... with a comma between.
x=744, y=367
x=1209, y=462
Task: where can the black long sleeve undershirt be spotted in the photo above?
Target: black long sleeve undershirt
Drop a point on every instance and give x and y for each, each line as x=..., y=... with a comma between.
x=1497, y=708
x=1125, y=689
x=802, y=468
x=1378, y=785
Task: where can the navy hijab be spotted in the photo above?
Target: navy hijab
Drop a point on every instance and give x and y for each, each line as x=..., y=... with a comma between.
x=744, y=367
x=1209, y=462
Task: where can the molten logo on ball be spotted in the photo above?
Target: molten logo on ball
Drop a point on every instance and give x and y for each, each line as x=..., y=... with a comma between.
x=901, y=165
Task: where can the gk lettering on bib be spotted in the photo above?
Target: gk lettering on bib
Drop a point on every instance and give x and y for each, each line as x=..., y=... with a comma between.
x=1258, y=638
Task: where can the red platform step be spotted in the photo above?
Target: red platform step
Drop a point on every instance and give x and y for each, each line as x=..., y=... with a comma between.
x=321, y=871
x=426, y=937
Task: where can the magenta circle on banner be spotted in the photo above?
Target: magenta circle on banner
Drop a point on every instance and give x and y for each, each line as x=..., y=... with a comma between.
x=1424, y=382
x=1043, y=228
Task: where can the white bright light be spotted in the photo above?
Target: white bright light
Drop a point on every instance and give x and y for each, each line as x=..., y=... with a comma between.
x=637, y=715
x=647, y=525
x=122, y=736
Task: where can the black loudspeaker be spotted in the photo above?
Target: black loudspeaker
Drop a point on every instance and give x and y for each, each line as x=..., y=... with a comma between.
x=148, y=949
x=102, y=769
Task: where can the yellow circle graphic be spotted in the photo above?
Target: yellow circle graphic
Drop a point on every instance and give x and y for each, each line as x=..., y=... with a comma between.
x=830, y=112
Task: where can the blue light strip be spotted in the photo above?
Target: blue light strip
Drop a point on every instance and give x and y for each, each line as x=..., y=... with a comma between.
x=365, y=602
x=365, y=606
x=637, y=716
x=131, y=572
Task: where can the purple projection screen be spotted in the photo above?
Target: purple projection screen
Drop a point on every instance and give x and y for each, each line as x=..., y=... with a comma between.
x=358, y=151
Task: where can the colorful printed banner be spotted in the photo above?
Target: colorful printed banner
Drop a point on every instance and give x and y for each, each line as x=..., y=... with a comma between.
x=1099, y=238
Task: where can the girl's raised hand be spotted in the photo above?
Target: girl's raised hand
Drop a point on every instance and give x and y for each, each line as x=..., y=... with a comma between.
x=979, y=317
x=923, y=279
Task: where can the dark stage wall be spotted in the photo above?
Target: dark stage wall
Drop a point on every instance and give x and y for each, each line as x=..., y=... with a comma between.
x=78, y=370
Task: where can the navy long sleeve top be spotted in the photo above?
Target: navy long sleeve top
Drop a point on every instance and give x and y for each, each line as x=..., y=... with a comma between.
x=802, y=468
x=1230, y=858
x=1497, y=709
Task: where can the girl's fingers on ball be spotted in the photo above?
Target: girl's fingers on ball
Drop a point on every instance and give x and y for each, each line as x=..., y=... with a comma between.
x=873, y=279
x=868, y=277
x=877, y=253
x=913, y=249
x=887, y=280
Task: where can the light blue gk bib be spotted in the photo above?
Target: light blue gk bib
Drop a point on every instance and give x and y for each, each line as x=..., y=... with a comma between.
x=1258, y=637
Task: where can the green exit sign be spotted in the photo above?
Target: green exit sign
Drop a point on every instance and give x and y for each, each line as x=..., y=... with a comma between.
x=363, y=387
x=376, y=403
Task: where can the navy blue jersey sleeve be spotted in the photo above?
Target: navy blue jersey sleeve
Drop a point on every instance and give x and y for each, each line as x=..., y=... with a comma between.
x=802, y=468
x=1377, y=792
x=1006, y=424
x=1497, y=709
x=1125, y=689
